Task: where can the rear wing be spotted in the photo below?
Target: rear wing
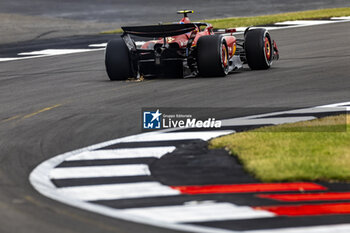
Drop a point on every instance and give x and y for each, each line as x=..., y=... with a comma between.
x=160, y=30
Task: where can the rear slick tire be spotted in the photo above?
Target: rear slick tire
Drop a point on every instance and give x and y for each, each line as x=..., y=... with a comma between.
x=212, y=56
x=117, y=60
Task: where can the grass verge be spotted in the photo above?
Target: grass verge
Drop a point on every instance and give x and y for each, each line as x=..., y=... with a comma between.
x=317, y=150
x=270, y=19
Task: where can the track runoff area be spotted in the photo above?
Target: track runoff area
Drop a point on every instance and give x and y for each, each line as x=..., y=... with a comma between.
x=22, y=55
x=132, y=178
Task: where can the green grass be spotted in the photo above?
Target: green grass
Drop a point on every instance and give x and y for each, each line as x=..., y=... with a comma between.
x=317, y=150
x=270, y=19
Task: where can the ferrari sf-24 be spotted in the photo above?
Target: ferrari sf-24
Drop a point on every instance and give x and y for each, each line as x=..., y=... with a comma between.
x=187, y=49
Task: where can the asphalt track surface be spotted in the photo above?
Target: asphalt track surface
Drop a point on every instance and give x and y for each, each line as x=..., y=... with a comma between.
x=119, y=11
x=33, y=20
x=57, y=104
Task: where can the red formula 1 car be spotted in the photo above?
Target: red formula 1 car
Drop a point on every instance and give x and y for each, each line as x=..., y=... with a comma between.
x=187, y=49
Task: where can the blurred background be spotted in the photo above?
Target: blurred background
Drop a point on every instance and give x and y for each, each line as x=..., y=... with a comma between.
x=36, y=19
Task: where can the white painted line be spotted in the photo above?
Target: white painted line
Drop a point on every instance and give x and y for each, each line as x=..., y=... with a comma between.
x=297, y=24
x=199, y=212
x=242, y=29
x=337, y=228
x=265, y=121
x=53, y=52
x=203, y=135
x=341, y=18
x=13, y=58
x=334, y=105
x=98, y=45
x=305, y=22
x=318, y=109
x=270, y=28
x=117, y=191
x=129, y=153
x=100, y=171
x=103, y=45
x=20, y=58
x=47, y=54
